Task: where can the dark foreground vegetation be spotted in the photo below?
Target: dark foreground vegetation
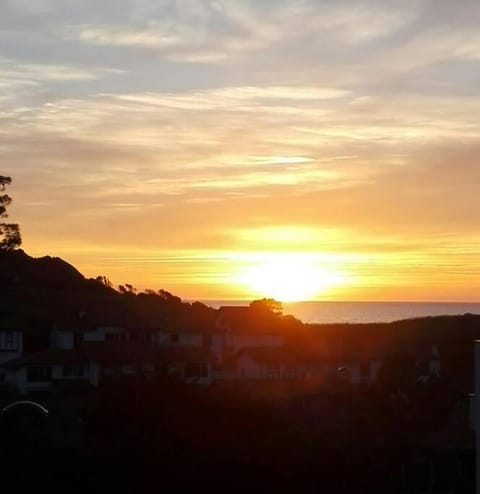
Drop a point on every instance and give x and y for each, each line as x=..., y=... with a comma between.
x=164, y=436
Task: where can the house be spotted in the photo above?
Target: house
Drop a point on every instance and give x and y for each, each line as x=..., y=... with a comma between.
x=94, y=364
x=177, y=338
x=87, y=354
x=73, y=329
x=239, y=327
x=269, y=363
x=40, y=371
x=11, y=338
x=427, y=362
x=11, y=341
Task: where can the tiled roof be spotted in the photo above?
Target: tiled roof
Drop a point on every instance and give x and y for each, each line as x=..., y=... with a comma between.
x=73, y=322
x=12, y=323
x=90, y=319
x=114, y=354
x=48, y=357
x=117, y=353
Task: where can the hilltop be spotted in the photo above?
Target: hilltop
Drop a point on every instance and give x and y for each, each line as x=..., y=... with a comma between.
x=48, y=288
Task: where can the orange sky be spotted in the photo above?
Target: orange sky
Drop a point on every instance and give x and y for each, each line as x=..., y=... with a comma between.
x=202, y=148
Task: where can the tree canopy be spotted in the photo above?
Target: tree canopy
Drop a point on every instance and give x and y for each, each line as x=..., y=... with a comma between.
x=10, y=237
x=267, y=305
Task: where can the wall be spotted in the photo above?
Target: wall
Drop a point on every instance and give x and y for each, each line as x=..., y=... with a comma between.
x=61, y=340
x=18, y=379
x=164, y=338
x=222, y=342
x=248, y=368
x=100, y=333
x=5, y=356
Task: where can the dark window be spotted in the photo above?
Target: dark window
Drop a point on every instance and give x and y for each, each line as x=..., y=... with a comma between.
x=140, y=336
x=39, y=373
x=365, y=369
x=174, y=338
x=77, y=339
x=196, y=369
x=115, y=337
x=291, y=371
x=9, y=342
x=273, y=370
x=73, y=371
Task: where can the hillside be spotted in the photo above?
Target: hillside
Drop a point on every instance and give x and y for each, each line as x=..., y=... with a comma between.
x=48, y=288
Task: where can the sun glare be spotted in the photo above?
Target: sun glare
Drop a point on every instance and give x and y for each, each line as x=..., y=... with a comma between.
x=289, y=277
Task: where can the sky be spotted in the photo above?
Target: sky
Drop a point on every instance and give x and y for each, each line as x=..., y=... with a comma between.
x=237, y=149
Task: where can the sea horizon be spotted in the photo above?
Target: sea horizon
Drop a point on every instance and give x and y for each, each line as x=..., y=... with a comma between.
x=325, y=312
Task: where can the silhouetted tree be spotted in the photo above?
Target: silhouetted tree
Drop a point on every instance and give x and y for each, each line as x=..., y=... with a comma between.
x=267, y=305
x=9, y=232
x=104, y=281
x=127, y=289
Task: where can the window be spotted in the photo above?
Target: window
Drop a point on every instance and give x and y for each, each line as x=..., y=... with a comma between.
x=73, y=371
x=39, y=373
x=273, y=370
x=78, y=338
x=196, y=369
x=9, y=341
x=365, y=369
x=128, y=370
x=115, y=337
x=291, y=371
x=140, y=336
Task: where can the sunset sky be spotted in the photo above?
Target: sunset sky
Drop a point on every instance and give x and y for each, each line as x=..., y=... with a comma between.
x=236, y=149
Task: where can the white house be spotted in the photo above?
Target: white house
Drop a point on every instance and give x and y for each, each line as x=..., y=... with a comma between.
x=41, y=371
x=11, y=342
x=93, y=363
x=269, y=363
x=68, y=333
x=177, y=338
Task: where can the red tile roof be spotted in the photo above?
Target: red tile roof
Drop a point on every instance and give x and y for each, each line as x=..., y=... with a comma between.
x=48, y=357
x=114, y=354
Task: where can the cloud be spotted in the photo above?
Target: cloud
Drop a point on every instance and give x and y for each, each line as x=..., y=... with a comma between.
x=181, y=121
x=200, y=32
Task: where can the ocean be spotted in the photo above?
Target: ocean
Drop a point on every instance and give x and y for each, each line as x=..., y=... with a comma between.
x=364, y=312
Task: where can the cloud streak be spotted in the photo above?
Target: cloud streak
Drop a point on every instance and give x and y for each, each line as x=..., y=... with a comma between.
x=185, y=121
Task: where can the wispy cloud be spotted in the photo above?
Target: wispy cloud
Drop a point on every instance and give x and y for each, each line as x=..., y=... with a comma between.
x=355, y=118
x=200, y=32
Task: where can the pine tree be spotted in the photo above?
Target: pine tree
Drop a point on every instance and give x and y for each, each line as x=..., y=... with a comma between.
x=10, y=237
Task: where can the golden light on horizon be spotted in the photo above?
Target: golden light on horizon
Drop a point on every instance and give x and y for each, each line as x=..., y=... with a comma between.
x=289, y=277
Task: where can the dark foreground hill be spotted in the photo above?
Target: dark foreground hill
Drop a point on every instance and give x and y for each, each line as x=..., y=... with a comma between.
x=20, y=269
x=48, y=289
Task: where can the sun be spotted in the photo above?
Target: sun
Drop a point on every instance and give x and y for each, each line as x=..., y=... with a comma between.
x=289, y=277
